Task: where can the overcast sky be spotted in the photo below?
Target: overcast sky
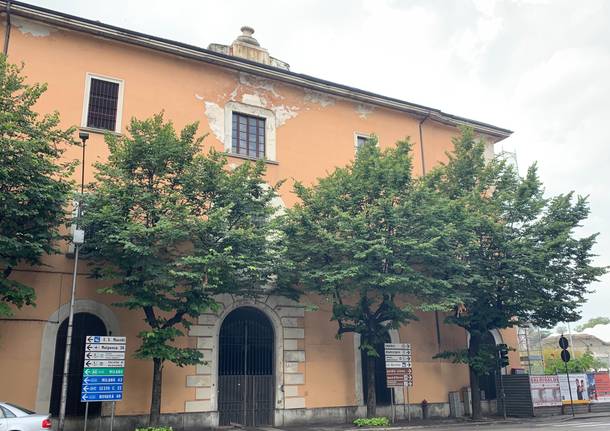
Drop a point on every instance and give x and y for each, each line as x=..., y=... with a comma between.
x=540, y=68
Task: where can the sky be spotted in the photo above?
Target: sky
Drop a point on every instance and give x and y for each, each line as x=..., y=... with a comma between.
x=538, y=67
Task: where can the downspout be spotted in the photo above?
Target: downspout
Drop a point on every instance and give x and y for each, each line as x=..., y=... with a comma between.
x=423, y=170
x=7, y=30
x=421, y=143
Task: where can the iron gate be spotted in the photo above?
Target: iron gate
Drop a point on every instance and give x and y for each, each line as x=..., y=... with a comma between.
x=245, y=369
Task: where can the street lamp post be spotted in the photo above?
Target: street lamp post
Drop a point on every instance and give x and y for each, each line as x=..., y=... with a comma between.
x=78, y=238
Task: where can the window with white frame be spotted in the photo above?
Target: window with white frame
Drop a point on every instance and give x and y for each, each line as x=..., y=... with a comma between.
x=360, y=139
x=103, y=103
x=249, y=131
x=248, y=135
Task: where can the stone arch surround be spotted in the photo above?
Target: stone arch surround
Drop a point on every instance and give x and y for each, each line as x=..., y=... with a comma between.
x=49, y=336
x=286, y=317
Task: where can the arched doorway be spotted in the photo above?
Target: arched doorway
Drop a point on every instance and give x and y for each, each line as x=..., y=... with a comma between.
x=487, y=382
x=84, y=324
x=246, y=369
x=383, y=394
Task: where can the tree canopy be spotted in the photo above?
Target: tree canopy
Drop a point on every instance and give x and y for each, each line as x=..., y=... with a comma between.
x=372, y=241
x=172, y=227
x=34, y=182
x=524, y=261
x=594, y=321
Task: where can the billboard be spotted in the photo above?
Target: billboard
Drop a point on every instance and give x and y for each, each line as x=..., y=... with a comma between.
x=579, y=386
x=545, y=391
x=598, y=387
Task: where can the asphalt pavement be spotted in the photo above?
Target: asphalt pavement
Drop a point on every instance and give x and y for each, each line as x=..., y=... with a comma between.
x=593, y=422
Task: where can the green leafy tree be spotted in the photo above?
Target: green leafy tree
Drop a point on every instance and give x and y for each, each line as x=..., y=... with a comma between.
x=593, y=322
x=172, y=227
x=34, y=183
x=371, y=241
x=524, y=263
x=580, y=363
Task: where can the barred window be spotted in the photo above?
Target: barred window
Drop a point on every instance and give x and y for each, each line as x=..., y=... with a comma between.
x=248, y=137
x=103, y=104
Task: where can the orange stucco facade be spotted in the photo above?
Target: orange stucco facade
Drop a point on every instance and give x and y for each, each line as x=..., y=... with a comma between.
x=314, y=133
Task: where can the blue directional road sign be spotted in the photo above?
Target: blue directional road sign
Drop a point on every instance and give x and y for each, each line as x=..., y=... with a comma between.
x=104, y=366
x=102, y=388
x=101, y=396
x=95, y=380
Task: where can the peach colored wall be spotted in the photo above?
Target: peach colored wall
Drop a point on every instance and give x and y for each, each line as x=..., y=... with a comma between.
x=329, y=363
x=21, y=345
x=316, y=139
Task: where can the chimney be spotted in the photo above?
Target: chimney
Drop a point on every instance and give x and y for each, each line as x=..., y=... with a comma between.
x=246, y=46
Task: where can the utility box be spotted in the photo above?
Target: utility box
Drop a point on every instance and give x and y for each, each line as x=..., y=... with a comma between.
x=456, y=408
x=467, y=397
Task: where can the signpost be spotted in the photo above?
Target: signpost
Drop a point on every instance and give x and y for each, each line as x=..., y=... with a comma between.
x=399, y=370
x=565, y=357
x=103, y=372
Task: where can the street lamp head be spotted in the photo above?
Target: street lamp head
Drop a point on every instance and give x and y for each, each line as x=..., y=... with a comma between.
x=83, y=136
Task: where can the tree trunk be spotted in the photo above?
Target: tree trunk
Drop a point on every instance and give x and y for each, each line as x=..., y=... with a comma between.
x=475, y=391
x=371, y=400
x=155, y=404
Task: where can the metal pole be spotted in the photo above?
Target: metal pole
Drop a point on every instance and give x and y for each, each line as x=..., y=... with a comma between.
x=409, y=407
x=393, y=405
x=86, y=415
x=571, y=341
x=570, y=389
x=503, y=395
x=64, y=382
x=112, y=416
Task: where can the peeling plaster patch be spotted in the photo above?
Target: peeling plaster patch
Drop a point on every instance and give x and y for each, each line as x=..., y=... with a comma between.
x=233, y=94
x=216, y=119
x=322, y=99
x=363, y=110
x=284, y=113
x=254, y=99
x=256, y=82
x=198, y=97
x=35, y=29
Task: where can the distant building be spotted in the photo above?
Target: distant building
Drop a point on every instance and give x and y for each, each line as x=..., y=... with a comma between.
x=580, y=342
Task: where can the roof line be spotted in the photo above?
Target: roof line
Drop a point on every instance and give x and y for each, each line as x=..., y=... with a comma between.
x=108, y=31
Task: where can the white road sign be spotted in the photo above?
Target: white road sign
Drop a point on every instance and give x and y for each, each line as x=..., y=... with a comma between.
x=390, y=352
x=105, y=355
x=398, y=364
x=105, y=347
x=394, y=358
x=97, y=339
x=399, y=346
x=91, y=363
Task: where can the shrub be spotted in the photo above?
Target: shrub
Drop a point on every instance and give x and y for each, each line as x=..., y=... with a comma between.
x=372, y=422
x=155, y=429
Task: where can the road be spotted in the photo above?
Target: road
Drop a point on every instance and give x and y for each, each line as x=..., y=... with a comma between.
x=593, y=423
x=578, y=424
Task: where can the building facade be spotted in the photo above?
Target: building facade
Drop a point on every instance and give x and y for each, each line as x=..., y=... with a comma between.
x=100, y=76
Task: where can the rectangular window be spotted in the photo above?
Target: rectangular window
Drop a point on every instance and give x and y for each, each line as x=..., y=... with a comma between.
x=248, y=136
x=360, y=141
x=103, y=104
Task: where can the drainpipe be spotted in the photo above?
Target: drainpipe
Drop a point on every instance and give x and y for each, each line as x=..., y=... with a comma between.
x=7, y=31
x=423, y=170
x=421, y=143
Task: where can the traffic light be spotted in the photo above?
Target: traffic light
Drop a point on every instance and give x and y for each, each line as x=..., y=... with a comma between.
x=503, y=352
